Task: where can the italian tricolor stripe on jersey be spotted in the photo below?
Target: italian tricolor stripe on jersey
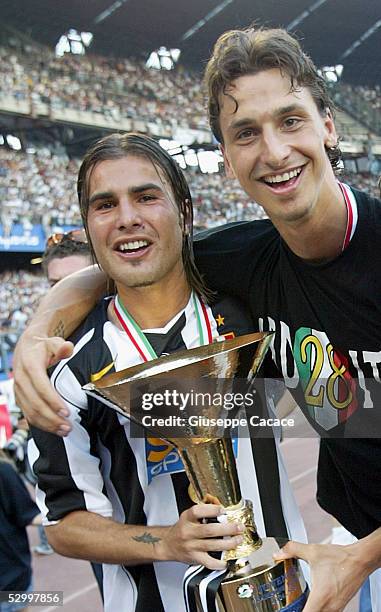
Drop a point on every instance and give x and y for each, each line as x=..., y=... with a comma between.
x=203, y=317
x=352, y=214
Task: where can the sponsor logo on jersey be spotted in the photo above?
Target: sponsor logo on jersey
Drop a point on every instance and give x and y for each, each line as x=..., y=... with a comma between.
x=163, y=458
x=98, y=375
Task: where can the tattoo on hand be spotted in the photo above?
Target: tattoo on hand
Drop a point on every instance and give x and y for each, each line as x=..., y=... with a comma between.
x=59, y=330
x=146, y=538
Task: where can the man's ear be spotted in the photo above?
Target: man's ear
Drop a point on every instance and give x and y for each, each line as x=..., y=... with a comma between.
x=228, y=169
x=331, y=137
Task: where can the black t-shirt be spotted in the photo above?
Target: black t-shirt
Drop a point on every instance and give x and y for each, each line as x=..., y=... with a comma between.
x=17, y=510
x=327, y=319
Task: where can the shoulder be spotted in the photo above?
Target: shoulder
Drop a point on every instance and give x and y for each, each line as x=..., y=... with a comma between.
x=369, y=209
x=234, y=236
x=364, y=199
x=232, y=317
x=91, y=348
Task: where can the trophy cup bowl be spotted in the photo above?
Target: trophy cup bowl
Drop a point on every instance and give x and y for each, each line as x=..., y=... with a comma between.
x=254, y=581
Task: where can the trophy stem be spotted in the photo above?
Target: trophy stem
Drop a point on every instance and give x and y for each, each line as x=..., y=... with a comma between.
x=212, y=472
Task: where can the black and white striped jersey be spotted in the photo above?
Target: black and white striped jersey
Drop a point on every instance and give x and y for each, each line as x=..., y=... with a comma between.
x=100, y=468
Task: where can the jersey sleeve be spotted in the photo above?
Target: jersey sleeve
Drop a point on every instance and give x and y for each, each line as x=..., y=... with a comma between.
x=68, y=469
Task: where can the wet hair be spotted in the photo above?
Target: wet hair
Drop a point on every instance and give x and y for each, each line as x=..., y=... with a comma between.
x=65, y=248
x=239, y=53
x=117, y=146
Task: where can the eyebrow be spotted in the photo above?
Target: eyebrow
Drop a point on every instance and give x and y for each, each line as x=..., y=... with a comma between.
x=284, y=110
x=291, y=108
x=104, y=195
x=145, y=187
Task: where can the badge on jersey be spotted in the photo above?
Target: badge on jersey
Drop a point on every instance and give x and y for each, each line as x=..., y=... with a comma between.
x=163, y=458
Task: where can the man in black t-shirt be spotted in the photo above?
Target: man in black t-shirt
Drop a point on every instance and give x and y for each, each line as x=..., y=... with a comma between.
x=310, y=273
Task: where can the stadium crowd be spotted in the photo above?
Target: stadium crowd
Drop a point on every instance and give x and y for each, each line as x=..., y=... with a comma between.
x=39, y=187
x=361, y=102
x=125, y=88
x=116, y=88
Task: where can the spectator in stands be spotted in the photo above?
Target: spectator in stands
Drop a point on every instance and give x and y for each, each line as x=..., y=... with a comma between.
x=65, y=254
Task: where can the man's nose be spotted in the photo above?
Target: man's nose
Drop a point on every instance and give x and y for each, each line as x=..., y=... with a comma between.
x=128, y=214
x=275, y=148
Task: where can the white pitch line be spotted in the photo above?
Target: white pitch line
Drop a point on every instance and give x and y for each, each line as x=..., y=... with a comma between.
x=303, y=474
x=89, y=587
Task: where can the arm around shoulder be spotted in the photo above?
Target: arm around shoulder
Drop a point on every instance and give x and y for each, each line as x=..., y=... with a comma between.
x=58, y=315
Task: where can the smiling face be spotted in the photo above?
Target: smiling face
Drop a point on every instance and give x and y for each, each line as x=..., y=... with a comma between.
x=274, y=144
x=134, y=224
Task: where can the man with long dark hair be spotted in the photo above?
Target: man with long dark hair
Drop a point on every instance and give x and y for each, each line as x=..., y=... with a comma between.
x=109, y=495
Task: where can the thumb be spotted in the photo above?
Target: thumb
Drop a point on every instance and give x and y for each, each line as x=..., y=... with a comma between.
x=65, y=349
x=291, y=550
x=57, y=349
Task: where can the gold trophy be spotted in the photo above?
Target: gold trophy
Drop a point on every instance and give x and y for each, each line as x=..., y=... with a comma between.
x=254, y=582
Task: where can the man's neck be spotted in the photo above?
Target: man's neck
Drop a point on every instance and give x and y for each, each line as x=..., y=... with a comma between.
x=154, y=306
x=320, y=236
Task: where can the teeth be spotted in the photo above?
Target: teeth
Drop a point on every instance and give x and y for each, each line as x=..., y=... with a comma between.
x=132, y=246
x=279, y=178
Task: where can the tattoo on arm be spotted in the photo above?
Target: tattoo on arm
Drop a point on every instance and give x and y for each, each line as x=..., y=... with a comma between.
x=146, y=538
x=59, y=330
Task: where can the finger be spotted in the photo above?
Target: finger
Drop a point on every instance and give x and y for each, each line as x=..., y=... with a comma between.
x=59, y=349
x=45, y=419
x=219, y=545
x=36, y=394
x=294, y=550
x=40, y=406
x=218, y=530
x=33, y=390
x=209, y=562
x=201, y=511
x=55, y=349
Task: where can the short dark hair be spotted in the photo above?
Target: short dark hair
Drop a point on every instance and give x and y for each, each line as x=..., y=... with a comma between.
x=117, y=146
x=249, y=51
x=63, y=249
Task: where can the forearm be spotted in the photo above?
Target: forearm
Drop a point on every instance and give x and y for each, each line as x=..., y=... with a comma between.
x=86, y=535
x=66, y=305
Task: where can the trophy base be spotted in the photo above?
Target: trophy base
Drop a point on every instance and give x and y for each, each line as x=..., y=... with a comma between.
x=258, y=584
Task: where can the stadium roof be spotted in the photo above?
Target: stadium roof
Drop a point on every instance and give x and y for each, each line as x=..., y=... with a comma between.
x=344, y=32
